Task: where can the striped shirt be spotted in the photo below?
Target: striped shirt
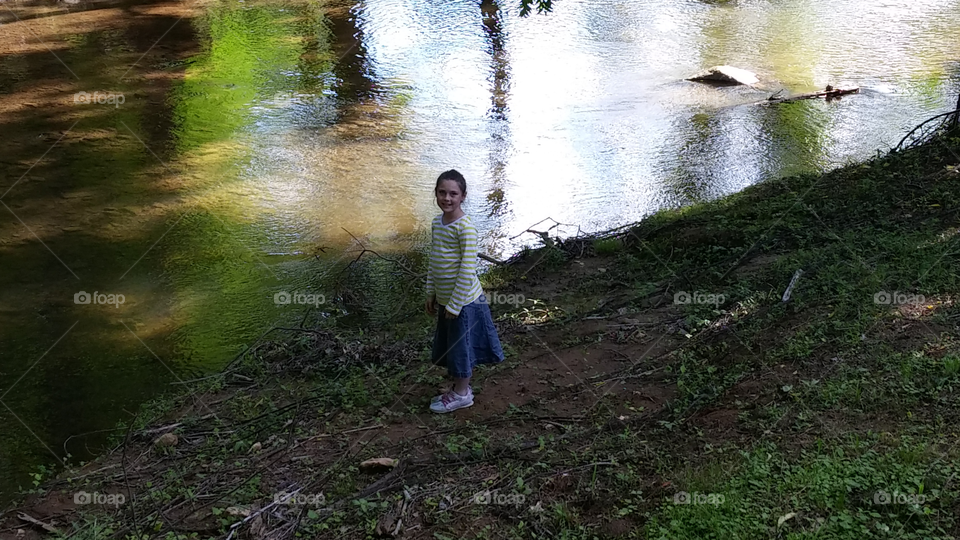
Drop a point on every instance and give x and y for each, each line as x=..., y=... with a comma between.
x=452, y=272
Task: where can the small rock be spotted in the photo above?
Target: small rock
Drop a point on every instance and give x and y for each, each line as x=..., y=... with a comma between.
x=237, y=511
x=167, y=439
x=727, y=75
x=378, y=464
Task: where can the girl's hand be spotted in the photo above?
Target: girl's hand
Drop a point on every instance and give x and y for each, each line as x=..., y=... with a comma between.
x=449, y=315
x=432, y=306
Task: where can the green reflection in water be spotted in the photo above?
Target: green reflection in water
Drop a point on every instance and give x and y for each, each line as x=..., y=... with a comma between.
x=255, y=58
x=253, y=54
x=796, y=135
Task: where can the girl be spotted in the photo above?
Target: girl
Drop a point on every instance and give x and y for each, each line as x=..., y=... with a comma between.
x=465, y=333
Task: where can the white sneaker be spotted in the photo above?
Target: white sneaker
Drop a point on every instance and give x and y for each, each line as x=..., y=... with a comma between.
x=437, y=398
x=451, y=401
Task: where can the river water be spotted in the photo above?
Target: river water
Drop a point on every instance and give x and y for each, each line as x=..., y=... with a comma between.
x=296, y=126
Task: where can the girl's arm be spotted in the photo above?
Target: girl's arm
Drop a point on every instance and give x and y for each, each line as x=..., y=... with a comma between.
x=430, y=288
x=468, y=268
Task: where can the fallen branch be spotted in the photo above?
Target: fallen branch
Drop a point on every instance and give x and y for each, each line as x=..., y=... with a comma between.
x=544, y=236
x=75, y=478
x=490, y=259
x=161, y=429
x=322, y=435
x=45, y=526
x=364, y=249
x=829, y=93
x=945, y=118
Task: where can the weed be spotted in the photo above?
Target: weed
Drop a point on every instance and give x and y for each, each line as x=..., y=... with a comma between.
x=951, y=366
x=607, y=246
x=88, y=528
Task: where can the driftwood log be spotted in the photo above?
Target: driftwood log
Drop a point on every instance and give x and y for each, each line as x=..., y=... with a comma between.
x=829, y=93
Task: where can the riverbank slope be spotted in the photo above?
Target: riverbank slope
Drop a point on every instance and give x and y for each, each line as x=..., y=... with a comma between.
x=658, y=385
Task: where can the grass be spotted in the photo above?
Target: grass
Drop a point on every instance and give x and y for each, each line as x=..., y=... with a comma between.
x=607, y=246
x=854, y=489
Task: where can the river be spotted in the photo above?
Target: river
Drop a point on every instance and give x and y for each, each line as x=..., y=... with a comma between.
x=245, y=170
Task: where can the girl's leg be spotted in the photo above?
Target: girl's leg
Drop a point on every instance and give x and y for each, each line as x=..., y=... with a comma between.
x=458, y=361
x=461, y=385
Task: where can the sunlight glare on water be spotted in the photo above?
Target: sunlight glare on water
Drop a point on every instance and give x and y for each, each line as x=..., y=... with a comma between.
x=597, y=127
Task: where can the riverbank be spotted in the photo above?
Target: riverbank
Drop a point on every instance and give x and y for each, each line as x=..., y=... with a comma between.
x=657, y=386
x=182, y=156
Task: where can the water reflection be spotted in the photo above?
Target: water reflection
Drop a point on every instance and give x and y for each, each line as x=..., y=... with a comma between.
x=498, y=124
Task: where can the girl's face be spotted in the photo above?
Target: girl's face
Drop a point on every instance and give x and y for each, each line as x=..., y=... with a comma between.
x=449, y=196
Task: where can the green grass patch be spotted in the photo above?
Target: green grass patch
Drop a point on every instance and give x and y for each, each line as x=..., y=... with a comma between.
x=855, y=490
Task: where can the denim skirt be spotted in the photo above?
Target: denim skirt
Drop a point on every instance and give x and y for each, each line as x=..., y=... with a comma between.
x=461, y=344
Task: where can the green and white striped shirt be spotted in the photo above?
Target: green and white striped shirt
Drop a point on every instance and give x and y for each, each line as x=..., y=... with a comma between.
x=452, y=272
